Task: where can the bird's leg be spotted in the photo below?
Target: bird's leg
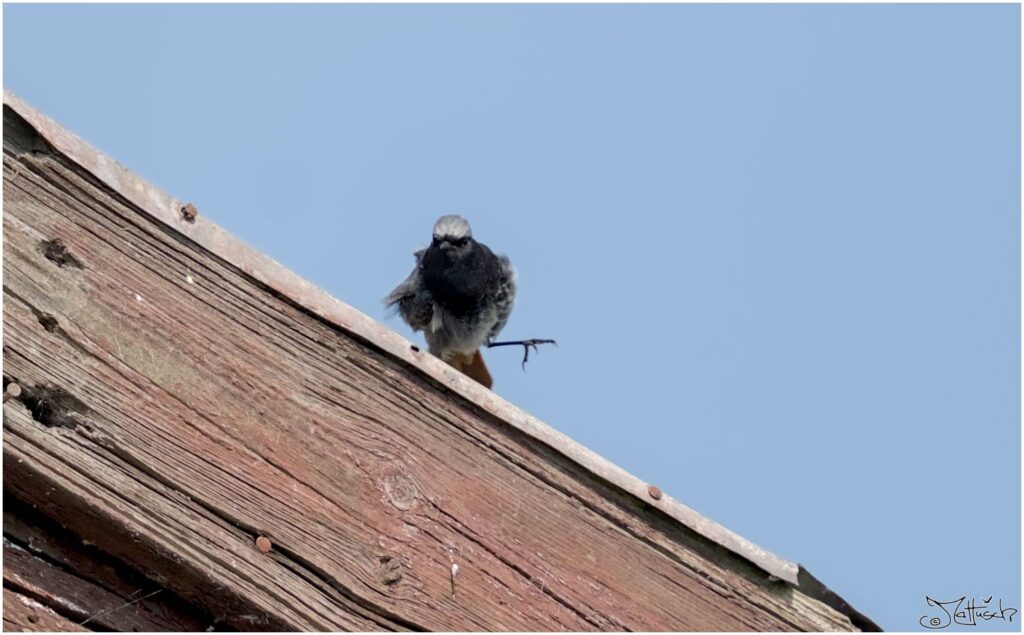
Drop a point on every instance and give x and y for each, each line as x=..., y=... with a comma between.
x=526, y=344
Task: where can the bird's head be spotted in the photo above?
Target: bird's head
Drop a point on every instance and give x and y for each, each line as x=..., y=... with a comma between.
x=452, y=234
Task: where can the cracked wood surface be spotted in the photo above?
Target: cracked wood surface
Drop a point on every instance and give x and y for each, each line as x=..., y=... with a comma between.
x=83, y=584
x=24, y=614
x=70, y=595
x=174, y=409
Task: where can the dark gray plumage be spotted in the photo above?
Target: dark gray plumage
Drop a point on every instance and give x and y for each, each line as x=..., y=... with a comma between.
x=460, y=294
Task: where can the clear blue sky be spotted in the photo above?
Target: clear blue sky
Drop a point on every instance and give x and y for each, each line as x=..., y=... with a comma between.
x=779, y=246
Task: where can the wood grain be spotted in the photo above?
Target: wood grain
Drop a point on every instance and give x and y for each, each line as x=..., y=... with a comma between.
x=80, y=582
x=206, y=410
x=76, y=598
x=24, y=614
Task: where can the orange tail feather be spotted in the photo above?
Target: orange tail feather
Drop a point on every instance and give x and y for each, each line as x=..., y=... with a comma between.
x=472, y=366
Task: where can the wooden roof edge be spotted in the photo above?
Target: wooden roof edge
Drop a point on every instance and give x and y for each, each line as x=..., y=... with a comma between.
x=171, y=212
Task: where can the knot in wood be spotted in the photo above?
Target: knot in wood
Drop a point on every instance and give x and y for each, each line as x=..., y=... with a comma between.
x=57, y=252
x=400, y=491
x=389, y=570
x=48, y=322
x=53, y=406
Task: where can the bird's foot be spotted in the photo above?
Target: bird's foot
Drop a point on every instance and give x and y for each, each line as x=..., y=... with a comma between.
x=526, y=344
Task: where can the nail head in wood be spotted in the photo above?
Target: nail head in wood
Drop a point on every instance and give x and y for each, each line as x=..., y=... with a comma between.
x=189, y=212
x=654, y=491
x=12, y=391
x=263, y=544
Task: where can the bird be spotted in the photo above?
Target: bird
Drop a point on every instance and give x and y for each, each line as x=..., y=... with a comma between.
x=460, y=294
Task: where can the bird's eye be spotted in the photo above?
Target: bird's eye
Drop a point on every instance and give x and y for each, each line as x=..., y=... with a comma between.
x=461, y=242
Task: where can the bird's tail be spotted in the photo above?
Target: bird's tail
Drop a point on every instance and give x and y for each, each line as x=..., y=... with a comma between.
x=472, y=365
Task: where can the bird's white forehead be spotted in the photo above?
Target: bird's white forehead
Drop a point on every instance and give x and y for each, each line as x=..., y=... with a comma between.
x=452, y=226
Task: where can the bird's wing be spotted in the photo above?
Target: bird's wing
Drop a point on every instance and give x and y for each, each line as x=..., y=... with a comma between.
x=411, y=299
x=505, y=297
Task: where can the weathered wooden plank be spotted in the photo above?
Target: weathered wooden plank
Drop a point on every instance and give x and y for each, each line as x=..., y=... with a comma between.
x=183, y=219
x=177, y=547
x=211, y=410
x=23, y=614
x=70, y=595
x=98, y=583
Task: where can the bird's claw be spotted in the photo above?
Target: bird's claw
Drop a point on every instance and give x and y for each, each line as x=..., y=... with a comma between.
x=526, y=344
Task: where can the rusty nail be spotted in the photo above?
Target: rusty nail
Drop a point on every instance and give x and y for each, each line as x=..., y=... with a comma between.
x=654, y=491
x=263, y=544
x=12, y=392
x=189, y=212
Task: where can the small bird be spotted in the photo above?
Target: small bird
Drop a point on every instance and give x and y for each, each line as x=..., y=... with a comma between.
x=460, y=294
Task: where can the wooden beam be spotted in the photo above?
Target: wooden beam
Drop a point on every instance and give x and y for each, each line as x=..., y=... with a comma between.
x=83, y=584
x=24, y=614
x=174, y=407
